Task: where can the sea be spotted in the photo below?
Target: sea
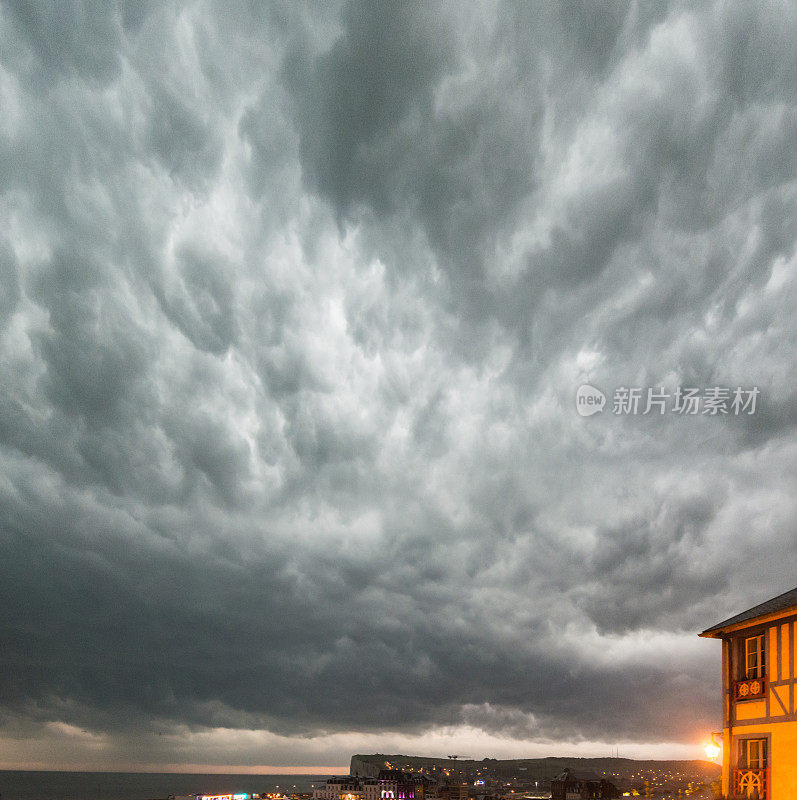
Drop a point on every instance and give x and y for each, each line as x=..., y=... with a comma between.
x=21, y=785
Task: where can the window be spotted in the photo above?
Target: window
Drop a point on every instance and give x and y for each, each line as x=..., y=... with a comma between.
x=751, y=778
x=754, y=657
x=754, y=754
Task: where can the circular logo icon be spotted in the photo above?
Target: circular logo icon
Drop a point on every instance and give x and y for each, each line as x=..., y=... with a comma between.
x=589, y=400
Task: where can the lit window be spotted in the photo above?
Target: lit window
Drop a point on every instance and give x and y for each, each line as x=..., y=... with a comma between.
x=754, y=657
x=755, y=753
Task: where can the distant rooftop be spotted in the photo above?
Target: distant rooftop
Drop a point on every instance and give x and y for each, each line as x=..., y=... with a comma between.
x=779, y=603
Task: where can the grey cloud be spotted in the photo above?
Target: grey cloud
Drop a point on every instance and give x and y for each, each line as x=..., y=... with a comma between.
x=84, y=37
x=202, y=303
x=92, y=354
x=295, y=304
x=389, y=123
x=654, y=567
x=179, y=138
x=671, y=147
x=203, y=444
x=9, y=282
x=357, y=93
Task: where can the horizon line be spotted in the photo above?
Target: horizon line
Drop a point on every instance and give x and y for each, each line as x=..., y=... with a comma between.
x=184, y=769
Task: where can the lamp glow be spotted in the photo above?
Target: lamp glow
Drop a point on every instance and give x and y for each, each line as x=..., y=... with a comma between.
x=713, y=748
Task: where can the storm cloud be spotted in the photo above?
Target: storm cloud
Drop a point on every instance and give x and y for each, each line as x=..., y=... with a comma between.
x=294, y=304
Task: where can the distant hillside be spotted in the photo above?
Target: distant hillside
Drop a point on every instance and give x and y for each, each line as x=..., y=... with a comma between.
x=624, y=769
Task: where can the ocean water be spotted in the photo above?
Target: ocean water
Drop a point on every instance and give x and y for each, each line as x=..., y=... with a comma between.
x=20, y=785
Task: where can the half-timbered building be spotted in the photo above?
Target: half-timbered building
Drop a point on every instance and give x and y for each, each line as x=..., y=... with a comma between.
x=759, y=737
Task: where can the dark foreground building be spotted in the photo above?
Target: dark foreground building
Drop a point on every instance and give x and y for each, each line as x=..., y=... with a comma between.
x=568, y=786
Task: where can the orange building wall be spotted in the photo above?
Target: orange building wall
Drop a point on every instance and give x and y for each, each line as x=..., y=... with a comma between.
x=780, y=726
x=783, y=757
x=784, y=752
x=772, y=649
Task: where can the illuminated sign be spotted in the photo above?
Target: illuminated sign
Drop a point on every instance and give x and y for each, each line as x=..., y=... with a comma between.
x=216, y=797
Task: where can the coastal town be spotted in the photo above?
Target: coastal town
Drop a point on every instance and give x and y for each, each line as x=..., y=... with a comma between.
x=399, y=777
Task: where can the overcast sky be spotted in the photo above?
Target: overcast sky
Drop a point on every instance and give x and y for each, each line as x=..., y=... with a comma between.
x=294, y=304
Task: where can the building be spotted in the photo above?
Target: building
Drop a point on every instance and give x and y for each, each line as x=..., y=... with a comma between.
x=759, y=717
x=390, y=785
x=454, y=791
x=348, y=787
x=568, y=786
x=396, y=785
x=425, y=788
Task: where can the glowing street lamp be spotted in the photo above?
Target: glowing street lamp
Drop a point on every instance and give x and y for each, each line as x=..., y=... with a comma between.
x=713, y=748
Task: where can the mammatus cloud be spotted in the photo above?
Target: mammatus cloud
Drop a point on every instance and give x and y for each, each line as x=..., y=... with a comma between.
x=294, y=304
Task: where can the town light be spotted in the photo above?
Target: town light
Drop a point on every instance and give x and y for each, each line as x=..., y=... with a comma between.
x=713, y=748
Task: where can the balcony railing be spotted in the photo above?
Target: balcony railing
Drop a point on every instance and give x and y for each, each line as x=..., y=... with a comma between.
x=750, y=689
x=753, y=783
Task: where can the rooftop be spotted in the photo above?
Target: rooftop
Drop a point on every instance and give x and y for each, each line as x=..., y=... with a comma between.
x=780, y=603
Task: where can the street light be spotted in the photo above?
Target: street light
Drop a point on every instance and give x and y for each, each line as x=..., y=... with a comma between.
x=713, y=748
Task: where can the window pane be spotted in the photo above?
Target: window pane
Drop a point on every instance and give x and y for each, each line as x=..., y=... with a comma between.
x=754, y=657
x=756, y=754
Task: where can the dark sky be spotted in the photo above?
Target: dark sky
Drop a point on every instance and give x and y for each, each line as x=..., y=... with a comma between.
x=294, y=304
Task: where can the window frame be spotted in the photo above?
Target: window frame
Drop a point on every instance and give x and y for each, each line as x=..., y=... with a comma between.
x=754, y=664
x=760, y=758
x=739, y=651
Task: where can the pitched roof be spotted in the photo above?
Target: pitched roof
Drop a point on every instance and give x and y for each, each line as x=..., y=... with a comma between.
x=779, y=603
